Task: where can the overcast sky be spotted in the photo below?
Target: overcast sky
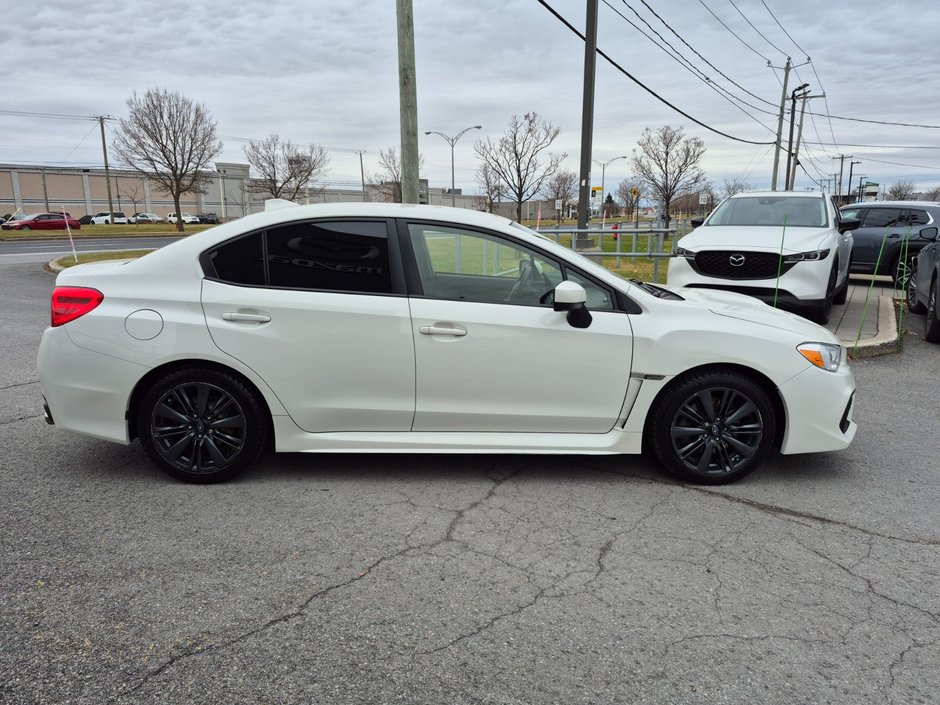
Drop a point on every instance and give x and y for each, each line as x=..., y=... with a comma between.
x=326, y=72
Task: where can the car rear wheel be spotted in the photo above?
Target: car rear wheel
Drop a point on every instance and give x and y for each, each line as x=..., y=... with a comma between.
x=202, y=425
x=932, y=323
x=712, y=428
x=910, y=291
x=26, y=227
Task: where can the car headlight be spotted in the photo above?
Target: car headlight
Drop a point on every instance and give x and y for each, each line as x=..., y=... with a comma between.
x=825, y=356
x=688, y=254
x=814, y=256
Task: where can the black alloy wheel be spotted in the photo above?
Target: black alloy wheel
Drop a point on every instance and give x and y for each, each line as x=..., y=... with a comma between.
x=910, y=291
x=900, y=272
x=712, y=428
x=931, y=322
x=201, y=425
x=821, y=315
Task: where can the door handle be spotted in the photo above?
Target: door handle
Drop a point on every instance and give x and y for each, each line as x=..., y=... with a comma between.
x=442, y=330
x=245, y=317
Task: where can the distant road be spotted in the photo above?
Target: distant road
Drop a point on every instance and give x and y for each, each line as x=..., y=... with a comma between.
x=43, y=250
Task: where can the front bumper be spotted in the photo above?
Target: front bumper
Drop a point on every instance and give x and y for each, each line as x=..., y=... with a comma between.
x=820, y=409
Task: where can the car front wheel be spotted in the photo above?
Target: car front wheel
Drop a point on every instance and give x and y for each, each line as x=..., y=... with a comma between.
x=932, y=323
x=202, y=425
x=712, y=428
x=911, y=291
x=26, y=227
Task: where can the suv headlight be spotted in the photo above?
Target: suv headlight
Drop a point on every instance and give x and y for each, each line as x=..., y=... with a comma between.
x=825, y=356
x=814, y=256
x=688, y=254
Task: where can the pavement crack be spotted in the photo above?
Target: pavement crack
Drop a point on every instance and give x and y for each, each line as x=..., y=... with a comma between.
x=20, y=418
x=793, y=514
x=20, y=384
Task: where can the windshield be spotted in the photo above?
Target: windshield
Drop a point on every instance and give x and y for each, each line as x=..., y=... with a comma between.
x=798, y=211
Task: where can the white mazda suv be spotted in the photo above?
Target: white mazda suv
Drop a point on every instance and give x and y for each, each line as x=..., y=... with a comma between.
x=789, y=249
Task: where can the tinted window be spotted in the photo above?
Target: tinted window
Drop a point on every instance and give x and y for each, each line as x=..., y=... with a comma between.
x=881, y=217
x=792, y=211
x=240, y=261
x=917, y=217
x=338, y=256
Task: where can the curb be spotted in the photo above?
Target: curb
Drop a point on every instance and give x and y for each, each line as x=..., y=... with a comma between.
x=886, y=340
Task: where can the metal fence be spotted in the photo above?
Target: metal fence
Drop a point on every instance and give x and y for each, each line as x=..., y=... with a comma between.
x=646, y=243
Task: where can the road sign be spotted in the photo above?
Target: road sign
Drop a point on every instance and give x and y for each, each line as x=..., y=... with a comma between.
x=596, y=190
x=558, y=204
x=703, y=199
x=634, y=192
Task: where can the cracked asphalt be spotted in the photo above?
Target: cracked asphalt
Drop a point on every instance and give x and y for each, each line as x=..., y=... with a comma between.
x=468, y=579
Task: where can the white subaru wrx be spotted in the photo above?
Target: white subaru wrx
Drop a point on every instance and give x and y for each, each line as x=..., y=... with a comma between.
x=789, y=249
x=395, y=328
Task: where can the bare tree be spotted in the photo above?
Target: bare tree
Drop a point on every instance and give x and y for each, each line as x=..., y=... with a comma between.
x=563, y=187
x=488, y=182
x=932, y=194
x=516, y=158
x=625, y=191
x=900, y=191
x=284, y=168
x=668, y=163
x=388, y=181
x=243, y=197
x=169, y=139
x=134, y=195
x=736, y=185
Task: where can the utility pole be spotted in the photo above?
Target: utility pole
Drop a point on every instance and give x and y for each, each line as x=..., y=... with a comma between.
x=107, y=171
x=841, y=166
x=799, y=137
x=45, y=194
x=408, y=98
x=362, y=174
x=783, y=103
x=587, y=122
x=793, y=96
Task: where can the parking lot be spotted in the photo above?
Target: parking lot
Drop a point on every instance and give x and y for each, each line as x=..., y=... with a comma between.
x=468, y=579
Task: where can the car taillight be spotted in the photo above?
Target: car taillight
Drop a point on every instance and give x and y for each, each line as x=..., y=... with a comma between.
x=71, y=302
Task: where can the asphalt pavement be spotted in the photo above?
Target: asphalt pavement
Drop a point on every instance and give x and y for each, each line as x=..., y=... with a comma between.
x=468, y=579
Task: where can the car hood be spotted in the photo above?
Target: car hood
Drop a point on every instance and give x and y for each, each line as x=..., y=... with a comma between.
x=747, y=308
x=757, y=238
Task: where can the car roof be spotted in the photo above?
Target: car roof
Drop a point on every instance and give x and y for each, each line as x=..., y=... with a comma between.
x=894, y=204
x=779, y=194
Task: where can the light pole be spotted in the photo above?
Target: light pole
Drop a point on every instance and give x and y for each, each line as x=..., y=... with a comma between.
x=452, y=141
x=222, y=190
x=859, y=197
x=603, y=166
x=851, y=164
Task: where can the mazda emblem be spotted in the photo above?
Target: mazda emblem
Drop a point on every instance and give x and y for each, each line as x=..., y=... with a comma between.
x=736, y=260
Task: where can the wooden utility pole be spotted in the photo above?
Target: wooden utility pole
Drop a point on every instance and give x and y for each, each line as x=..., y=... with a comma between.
x=408, y=99
x=587, y=122
x=107, y=172
x=778, y=144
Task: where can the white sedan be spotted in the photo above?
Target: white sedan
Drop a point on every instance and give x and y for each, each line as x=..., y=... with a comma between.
x=396, y=328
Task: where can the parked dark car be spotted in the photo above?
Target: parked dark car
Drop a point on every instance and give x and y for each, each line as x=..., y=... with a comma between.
x=42, y=221
x=208, y=218
x=895, y=223
x=85, y=219
x=922, y=283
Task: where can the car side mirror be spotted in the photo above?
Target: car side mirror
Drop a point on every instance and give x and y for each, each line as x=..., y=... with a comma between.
x=849, y=224
x=571, y=297
x=929, y=234
x=695, y=222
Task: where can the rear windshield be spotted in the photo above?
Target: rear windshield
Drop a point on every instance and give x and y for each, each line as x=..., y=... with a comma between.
x=799, y=212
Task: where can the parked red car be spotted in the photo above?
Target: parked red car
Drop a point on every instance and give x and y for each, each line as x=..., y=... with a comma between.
x=41, y=221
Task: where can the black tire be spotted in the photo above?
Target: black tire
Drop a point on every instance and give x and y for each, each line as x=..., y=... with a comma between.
x=26, y=227
x=842, y=294
x=821, y=314
x=202, y=425
x=712, y=428
x=910, y=291
x=900, y=272
x=931, y=322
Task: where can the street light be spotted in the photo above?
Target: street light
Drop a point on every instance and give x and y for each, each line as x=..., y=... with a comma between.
x=851, y=164
x=452, y=141
x=858, y=198
x=603, y=166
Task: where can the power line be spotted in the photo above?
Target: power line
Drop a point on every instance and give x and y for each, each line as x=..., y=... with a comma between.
x=757, y=30
x=784, y=30
x=642, y=85
x=877, y=122
x=878, y=146
x=913, y=166
x=51, y=116
x=736, y=36
x=720, y=72
x=688, y=66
